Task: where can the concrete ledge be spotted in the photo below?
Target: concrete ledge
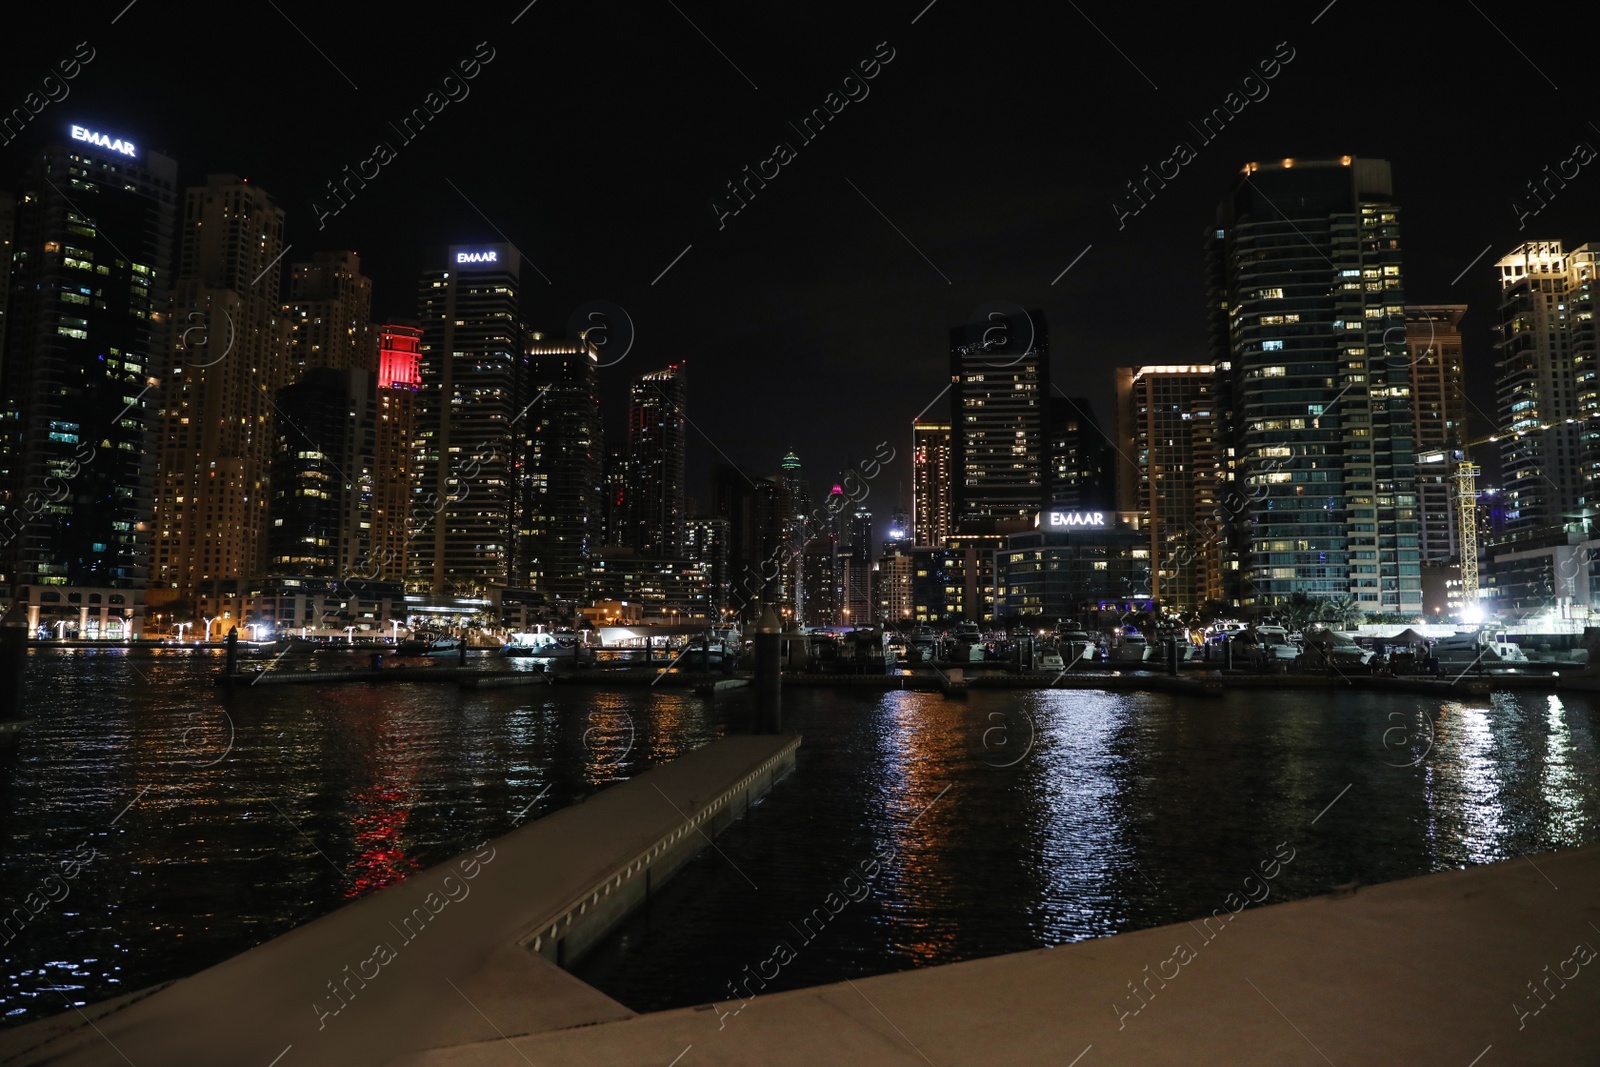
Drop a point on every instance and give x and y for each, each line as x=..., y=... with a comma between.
x=419, y=964
x=1431, y=970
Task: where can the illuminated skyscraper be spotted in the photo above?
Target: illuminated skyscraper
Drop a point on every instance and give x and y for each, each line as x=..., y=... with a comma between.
x=653, y=501
x=1547, y=386
x=1167, y=439
x=931, y=473
x=1000, y=378
x=83, y=348
x=1078, y=456
x=229, y=357
x=559, y=480
x=394, y=442
x=330, y=308
x=1305, y=264
x=473, y=385
x=1439, y=403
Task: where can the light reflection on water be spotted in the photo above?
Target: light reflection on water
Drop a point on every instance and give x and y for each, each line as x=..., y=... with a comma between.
x=1010, y=820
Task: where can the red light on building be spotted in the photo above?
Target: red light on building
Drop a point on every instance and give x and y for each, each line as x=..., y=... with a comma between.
x=399, y=357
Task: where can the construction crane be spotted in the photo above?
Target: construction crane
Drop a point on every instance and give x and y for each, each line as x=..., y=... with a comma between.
x=1466, y=479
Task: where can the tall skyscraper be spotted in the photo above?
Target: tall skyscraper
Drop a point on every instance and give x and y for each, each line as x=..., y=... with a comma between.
x=1078, y=456
x=656, y=443
x=932, y=477
x=324, y=474
x=473, y=385
x=83, y=349
x=1546, y=359
x=559, y=481
x=1439, y=405
x=1000, y=378
x=394, y=444
x=330, y=309
x=799, y=502
x=1167, y=445
x=1305, y=261
x=229, y=357
x=757, y=511
x=861, y=533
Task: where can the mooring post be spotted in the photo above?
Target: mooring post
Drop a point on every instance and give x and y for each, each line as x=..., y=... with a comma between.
x=769, y=673
x=232, y=660
x=13, y=661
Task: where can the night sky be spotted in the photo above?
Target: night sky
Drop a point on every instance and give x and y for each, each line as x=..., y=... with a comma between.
x=983, y=159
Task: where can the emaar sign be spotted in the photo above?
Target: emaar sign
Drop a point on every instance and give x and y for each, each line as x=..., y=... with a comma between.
x=100, y=140
x=490, y=256
x=1057, y=520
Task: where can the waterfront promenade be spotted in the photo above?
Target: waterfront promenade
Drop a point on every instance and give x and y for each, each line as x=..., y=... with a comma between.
x=1459, y=969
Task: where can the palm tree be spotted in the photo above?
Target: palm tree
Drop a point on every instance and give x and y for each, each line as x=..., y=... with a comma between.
x=1342, y=613
x=1299, y=610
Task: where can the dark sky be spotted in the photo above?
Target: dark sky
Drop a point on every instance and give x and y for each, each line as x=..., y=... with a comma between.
x=984, y=159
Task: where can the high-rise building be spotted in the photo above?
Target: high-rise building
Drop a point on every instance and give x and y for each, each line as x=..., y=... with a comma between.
x=324, y=474
x=473, y=385
x=861, y=533
x=559, y=482
x=330, y=309
x=394, y=444
x=656, y=443
x=705, y=540
x=1305, y=261
x=1000, y=379
x=1078, y=456
x=92, y=253
x=1547, y=387
x=1439, y=406
x=799, y=498
x=932, y=475
x=614, y=508
x=229, y=358
x=1167, y=445
x=892, y=585
x=758, y=512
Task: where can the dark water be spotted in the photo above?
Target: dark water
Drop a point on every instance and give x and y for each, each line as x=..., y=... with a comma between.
x=1007, y=821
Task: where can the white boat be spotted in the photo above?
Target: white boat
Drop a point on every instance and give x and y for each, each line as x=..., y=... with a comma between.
x=1477, y=650
x=1078, y=648
x=1269, y=641
x=1336, y=648
x=562, y=645
x=1127, y=646
x=1157, y=652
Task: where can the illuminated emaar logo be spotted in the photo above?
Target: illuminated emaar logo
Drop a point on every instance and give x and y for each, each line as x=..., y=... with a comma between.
x=100, y=140
x=1059, y=519
x=478, y=257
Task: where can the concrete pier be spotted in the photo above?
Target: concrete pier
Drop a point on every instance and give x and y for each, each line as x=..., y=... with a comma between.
x=460, y=953
x=1431, y=970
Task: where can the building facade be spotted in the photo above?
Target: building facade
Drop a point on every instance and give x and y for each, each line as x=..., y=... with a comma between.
x=1168, y=438
x=654, y=494
x=83, y=352
x=1305, y=265
x=472, y=384
x=1439, y=407
x=999, y=383
x=330, y=311
x=932, y=474
x=559, y=484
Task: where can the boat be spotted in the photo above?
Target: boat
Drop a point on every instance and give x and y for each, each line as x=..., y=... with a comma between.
x=561, y=646
x=923, y=645
x=1336, y=648
x=1128, y=646
x=1078, y=648
x=1049, y=657
x=1265, y=643
x=428, y=643
x=1157, y=652
x=966, y=645
x=1477, y=650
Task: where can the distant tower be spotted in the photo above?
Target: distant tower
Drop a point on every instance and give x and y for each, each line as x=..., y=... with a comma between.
x=1000, y=375
x=218, y=418
x=330, y=310
x=1439, y=407
x=932, y=474
x=799, y=503
x=653, y=506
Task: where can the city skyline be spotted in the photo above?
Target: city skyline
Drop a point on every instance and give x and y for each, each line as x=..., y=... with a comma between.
x=1031, y=226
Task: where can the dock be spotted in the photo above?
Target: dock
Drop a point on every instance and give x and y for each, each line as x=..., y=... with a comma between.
x=430, y=961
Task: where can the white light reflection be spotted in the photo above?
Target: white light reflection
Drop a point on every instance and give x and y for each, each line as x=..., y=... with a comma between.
x=1082, y=836
x=1466, y=818
x=1561, y=787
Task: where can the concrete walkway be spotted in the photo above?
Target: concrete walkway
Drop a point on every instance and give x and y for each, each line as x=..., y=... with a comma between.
x=449, y=956
x=1431, y=970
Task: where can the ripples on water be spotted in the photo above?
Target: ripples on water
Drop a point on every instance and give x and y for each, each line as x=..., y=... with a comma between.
x=1010, y=820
